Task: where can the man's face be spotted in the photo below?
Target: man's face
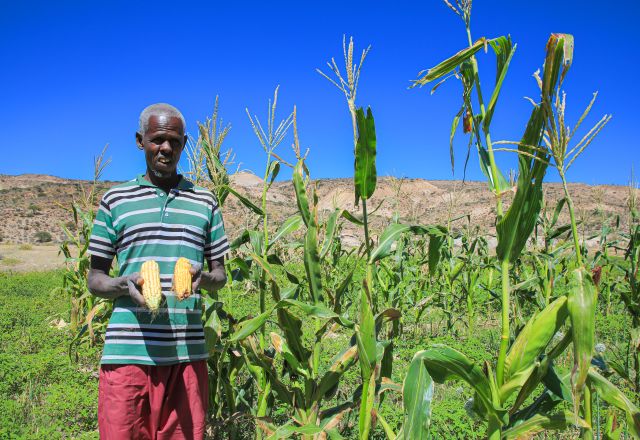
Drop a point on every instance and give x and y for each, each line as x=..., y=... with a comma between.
x=162, y=144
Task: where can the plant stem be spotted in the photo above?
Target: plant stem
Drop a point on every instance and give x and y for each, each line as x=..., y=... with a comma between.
x=487, y=136
x=493, y=430
x=587, y=433
x=365, y=220
x=504, y=337
x=574, y=228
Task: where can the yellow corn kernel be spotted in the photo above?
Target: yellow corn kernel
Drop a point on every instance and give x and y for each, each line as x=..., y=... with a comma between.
x=182, y=278
x=151, y=289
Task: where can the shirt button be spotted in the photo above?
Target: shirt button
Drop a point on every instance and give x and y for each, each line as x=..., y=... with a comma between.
x=167, y=214
x=161, y=194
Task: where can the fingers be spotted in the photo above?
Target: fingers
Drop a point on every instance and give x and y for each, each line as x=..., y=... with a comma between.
x=134, y=291
x=196, y=269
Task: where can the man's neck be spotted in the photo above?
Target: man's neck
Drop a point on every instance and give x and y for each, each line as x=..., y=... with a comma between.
x=165, y=183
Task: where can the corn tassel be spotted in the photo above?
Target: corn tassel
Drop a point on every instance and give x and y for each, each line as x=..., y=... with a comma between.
x=182, y=278
x=151, y=289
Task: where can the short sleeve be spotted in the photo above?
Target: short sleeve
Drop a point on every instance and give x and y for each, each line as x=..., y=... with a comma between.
x=216, y=244
x=103, y=237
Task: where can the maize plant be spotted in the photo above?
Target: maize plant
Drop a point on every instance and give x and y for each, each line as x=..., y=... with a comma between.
x=89, y=314
x=208, y=165
x=306, y=304
x=525, y=363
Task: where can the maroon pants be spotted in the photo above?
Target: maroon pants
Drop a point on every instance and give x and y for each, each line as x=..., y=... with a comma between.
x=145, y=402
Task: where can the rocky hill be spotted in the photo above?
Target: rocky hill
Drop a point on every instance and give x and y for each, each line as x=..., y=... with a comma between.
x=32, y=207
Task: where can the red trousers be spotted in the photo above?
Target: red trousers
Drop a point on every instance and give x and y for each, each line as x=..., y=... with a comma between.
x=145, y=402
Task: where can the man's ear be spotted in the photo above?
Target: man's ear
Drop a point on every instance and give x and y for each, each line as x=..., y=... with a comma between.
x=139, y=141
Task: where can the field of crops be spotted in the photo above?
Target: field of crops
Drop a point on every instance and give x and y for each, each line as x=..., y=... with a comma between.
x=422, y=331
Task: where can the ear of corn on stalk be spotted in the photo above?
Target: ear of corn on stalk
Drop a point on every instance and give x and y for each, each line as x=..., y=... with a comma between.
x=151, y=289
x=182, y=278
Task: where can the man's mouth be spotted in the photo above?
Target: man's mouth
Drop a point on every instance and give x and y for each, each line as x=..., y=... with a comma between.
x=164, y=160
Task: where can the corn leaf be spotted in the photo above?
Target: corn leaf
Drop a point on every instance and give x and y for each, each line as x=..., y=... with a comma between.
x=417, y=393
x=557, y=63
x=504, y=50
x=448, y=65
x=329, y=232
x=329, y=382
x=393, y=232
x=582, y=310
x=612, y=395
x=274, y=169
x=245, y=201
x=530, y=344
x=247, y=328
x=290, y=225
x=454, y=127
x=301, y=193
x=312, y=264
x=498, y=184
x=541, y=422
x=445, y=363
x=517, y=224
x=365, y=158
x=291, y=326
x=367, y=353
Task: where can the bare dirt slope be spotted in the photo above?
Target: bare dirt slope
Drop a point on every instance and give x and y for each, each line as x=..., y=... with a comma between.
x=32, y=206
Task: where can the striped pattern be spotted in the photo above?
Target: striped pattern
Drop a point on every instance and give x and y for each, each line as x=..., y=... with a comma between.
x=137, y=222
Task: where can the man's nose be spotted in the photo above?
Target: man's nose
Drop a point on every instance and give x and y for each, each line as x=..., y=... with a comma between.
x=166, y=147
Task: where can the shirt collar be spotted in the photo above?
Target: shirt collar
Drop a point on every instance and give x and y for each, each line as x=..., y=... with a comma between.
x=183, y=184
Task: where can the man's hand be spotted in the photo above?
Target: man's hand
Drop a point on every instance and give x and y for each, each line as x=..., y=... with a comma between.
x=196, y=276
x=134, y=284
x=211, y=281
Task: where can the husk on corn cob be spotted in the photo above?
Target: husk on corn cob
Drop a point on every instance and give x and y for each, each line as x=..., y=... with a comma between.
x=151, y=289
x=182, y=278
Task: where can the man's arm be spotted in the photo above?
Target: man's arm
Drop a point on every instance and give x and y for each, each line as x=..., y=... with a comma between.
x=102, y=285
x=213, y=280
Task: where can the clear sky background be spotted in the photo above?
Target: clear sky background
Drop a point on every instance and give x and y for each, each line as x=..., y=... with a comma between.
x=76, y=74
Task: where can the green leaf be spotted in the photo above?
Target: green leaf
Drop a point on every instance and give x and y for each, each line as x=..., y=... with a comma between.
x=517, y=224
x=247, y=328
x=301, y=192
x=274, y=169
x=330, y=232
x=393, y=232
x=417, y=393
x=366, y=336
x=449, y=64
x=504, y=50
x=454, y=127
x=245, y=201
x=557, y=63
x=542, y=422
x=497, y=184
x=445, y=363
x=364, y=175
x=240, y=240
x=530, y=344
x=612, y=395
x=353, y=219
x=582, y=310
x=342, y=363
x=290, y=225
x=312, y=264
x=435, y=246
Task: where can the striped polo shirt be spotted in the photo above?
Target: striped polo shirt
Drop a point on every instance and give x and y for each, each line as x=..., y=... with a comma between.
x=137, y=222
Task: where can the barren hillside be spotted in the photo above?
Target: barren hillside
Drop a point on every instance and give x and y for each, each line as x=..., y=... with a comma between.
x=32, y=204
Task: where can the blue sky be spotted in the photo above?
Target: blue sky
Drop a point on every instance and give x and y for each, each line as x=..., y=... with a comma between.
x=76, y=75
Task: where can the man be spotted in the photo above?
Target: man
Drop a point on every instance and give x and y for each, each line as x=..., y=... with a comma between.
x=153, y=375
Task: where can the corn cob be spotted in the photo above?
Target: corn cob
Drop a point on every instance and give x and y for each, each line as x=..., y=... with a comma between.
x=182, y=278
x=151, y=289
